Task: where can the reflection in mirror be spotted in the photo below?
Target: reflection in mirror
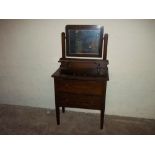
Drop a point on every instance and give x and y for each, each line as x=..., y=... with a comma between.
x=84, y=41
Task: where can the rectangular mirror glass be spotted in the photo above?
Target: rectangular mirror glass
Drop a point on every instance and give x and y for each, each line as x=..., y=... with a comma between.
x=84, y=40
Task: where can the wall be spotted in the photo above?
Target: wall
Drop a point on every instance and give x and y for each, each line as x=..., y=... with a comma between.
x=30, y=49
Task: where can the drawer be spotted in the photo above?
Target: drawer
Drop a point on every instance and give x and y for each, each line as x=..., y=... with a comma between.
x=80, y=86
x=79, y=101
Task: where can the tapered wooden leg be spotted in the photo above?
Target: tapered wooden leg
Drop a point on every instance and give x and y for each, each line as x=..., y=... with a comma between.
x=63, y=109
x=58, y=115
x=102, y=119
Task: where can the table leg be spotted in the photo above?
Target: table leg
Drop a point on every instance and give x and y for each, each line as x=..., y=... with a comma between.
x=58, y=115
x=63, y=109
x=102, y=119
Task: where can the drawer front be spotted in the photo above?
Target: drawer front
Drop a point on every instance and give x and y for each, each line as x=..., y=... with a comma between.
x=80, y=86
x=79, y=101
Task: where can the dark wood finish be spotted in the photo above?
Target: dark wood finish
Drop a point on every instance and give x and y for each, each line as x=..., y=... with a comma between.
x=58, y=114
x=87, y=67
x=102, y=119
x=84, y=27
x=80, y=92
x=63, y=109
x=86, y=87
x=105, y=39
x=84, y=67
x=63, y=44
x=79, y=101
x=81, y=83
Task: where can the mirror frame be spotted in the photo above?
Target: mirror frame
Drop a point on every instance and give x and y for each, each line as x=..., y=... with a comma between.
x=71, y=41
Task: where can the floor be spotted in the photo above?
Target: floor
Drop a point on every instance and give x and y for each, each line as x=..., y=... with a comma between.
x=19, y=120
